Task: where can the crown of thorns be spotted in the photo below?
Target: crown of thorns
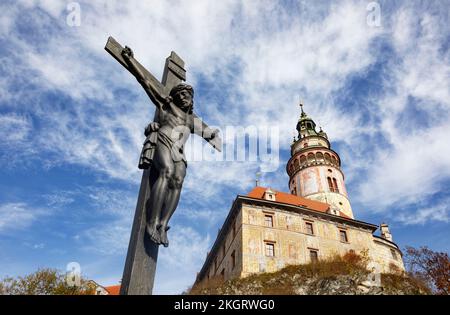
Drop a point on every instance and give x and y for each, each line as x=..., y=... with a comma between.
x=182, y=87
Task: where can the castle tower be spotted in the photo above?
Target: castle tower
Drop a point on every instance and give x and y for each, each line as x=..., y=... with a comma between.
x=314, y=168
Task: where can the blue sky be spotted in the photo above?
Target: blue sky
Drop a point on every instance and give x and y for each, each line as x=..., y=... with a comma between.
x=72, y=119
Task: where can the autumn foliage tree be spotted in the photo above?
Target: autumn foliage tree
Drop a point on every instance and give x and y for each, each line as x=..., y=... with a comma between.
x=432, y=267
x=44, y=282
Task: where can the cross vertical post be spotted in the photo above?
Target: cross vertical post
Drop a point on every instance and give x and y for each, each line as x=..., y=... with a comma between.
x=140, y=265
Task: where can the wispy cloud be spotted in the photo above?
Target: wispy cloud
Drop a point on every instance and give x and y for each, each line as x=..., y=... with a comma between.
x=18, y=216
x=439, y=213
x=414, y=118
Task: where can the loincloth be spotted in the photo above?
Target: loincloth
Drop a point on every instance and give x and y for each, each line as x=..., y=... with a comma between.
x=151, y=143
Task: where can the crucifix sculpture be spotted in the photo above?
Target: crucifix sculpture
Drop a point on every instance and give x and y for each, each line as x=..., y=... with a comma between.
x=163, y=161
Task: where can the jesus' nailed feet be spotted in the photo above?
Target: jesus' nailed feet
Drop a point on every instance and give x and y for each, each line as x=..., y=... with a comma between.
x=158, y=233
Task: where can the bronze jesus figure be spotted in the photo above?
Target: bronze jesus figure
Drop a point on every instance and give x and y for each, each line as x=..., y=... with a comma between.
x=163, y=148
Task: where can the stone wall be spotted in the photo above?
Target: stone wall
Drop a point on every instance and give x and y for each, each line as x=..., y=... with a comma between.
x=223, y=260
x=292, y=243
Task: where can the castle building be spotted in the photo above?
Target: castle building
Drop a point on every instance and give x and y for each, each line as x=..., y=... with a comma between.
x=267, y=230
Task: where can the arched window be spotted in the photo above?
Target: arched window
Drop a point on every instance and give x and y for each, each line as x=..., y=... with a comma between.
x=327, y=158
x=330, y=184
x=302, y=160
x=336, y=189
x=319, y=157
x=296, y=164
x=334, y=161
x=311, y=158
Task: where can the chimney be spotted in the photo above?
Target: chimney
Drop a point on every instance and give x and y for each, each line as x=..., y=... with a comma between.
x=385, y=233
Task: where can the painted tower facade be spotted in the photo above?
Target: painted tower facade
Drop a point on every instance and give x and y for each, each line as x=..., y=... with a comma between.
x=314, y=169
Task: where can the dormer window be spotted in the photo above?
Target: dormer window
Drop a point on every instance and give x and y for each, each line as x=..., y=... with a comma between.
x=334, y=211
x=269, y=195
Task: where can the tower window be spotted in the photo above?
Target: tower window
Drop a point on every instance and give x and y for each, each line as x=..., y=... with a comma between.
x=334, y=161
x=311, y=158
x=336, y=189
x=330, y=184
x=393, y=254
x=319, y=157
x=270, y=249
x=268, y=220
x=302, y=160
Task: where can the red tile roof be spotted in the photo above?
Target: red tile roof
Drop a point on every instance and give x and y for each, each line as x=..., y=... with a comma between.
x=258, y=192
x=113, y=289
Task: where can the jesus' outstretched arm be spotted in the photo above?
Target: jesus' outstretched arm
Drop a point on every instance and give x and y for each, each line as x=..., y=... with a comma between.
x=211, y=135
x=148, y=86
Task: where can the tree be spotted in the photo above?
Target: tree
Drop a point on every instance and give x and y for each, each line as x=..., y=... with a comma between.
x=432, y=267
x=43, y=282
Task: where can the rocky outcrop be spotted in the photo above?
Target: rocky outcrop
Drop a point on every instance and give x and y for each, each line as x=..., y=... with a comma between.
x=325, y=279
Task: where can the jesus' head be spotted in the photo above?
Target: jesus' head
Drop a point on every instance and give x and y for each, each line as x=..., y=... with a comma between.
x=183, y=96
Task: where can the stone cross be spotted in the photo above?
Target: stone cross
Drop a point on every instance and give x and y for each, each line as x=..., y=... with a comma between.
x=140, y=264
